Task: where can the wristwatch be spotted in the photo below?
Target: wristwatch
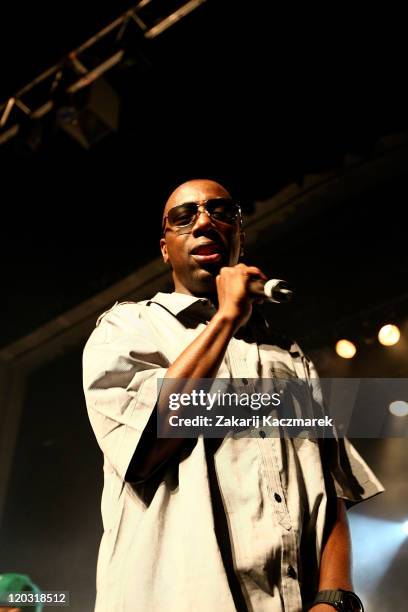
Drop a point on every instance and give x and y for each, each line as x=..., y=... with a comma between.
x=344, y=601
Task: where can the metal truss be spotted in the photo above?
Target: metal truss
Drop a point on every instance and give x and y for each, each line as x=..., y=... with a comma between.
x=78, y=69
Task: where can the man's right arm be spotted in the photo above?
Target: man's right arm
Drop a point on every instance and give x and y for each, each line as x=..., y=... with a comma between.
x=202, y=358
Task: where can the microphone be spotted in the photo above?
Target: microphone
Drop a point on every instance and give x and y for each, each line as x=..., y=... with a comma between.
x=273, y=290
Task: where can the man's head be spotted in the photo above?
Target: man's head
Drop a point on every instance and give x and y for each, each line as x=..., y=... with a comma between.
x=196, y=252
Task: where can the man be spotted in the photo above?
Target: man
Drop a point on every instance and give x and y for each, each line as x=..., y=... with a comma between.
x=240, y=523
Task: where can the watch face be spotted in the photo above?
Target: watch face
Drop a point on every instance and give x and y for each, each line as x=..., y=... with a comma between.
x=352, y=603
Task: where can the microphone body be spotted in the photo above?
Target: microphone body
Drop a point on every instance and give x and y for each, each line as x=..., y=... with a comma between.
x=274, y=290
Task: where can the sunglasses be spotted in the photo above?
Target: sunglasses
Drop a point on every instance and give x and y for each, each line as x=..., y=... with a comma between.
x=220, y=210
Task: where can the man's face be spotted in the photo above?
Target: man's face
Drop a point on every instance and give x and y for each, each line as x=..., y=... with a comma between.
x=197, y=253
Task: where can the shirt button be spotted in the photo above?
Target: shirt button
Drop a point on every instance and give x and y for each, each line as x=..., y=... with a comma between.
x=291, y=572
x=278, y=497
x=245, y=381
x=262, y=433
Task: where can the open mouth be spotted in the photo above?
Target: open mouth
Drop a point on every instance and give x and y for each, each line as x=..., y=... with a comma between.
x=209, y=252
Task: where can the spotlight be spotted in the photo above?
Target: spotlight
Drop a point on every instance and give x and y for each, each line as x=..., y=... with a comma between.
x=405, y=527
x=389, y=335
x=399, y=408
x=345, y=349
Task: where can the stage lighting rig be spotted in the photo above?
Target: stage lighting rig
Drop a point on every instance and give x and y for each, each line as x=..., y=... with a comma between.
x=83, y=68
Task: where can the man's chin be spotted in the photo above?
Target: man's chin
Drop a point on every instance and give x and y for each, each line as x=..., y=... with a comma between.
x=212, y=269
x=203, y=280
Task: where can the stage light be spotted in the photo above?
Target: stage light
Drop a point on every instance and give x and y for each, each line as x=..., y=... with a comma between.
x=389, y=335
x=405, y=527
x=345, y=349
x=399, y=408
x=378, y=542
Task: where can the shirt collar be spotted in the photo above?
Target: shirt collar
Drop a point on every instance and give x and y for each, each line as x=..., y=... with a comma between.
x=176, y=302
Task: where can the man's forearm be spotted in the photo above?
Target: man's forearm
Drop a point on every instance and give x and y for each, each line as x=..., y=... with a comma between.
x=335, y=564
x=202, y=358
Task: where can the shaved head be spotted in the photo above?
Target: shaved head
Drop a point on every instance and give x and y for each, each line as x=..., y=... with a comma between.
x=194, y=191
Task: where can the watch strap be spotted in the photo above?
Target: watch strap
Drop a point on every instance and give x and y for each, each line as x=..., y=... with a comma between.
x=336, y=598
x=331, y=597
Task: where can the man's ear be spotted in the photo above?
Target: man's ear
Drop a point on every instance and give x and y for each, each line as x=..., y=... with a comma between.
x=163, y=248
x=242, y=242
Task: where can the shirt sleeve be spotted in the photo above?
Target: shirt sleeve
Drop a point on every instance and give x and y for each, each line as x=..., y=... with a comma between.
x=122, y=371
x=353, y=480
x=348, y=474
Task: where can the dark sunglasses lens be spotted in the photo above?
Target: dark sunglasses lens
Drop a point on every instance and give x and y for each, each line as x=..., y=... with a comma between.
x=223, y=210
x=182, y=215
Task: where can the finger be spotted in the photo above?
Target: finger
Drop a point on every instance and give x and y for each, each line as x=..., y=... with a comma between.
x=254, y=271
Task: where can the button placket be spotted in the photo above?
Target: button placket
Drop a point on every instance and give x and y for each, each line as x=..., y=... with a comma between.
x=274, y=485
x=239, y=369
x=238, y=364
x=290, y=584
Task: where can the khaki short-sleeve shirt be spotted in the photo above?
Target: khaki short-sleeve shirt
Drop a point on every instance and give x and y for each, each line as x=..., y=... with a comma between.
x=230, y=524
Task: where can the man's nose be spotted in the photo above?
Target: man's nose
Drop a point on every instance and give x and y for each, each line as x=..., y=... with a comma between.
x=203, y=219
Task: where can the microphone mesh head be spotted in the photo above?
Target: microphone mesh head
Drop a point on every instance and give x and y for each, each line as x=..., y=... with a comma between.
x=271, y=285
